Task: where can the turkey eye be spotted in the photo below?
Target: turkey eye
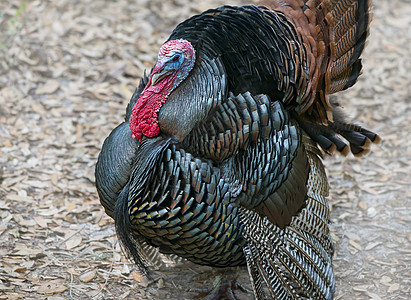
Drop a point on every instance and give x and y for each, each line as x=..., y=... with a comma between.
x=176, y=58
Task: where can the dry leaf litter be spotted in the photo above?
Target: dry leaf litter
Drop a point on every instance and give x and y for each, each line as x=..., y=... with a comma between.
x=67, y=71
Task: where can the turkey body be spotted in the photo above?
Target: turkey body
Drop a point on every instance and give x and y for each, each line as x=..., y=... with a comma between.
x=234, y=176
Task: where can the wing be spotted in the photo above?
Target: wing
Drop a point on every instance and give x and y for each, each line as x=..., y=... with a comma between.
x=294, y=262
x=259, y=150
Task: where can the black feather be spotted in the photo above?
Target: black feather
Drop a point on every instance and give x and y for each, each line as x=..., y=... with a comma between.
x=144, y=169
x=124, y=229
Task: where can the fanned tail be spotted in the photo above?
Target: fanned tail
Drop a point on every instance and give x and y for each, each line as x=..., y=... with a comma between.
x=294, y=262
x=351, y=29
x=340, y=135
x=334, y=34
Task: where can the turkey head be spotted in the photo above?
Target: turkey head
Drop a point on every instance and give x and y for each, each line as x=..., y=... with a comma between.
x=175, y=60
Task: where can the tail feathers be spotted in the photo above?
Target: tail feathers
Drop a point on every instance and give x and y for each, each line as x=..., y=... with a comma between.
x=345, y=43
x=333, y=34
x=348, y=22
x=346, y=78
x=339, y=135
x=351, y=20
x=350, y=30
x=359, y=139
x=292, y=264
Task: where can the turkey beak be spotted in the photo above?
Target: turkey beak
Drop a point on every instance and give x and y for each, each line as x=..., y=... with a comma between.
x=158, y=76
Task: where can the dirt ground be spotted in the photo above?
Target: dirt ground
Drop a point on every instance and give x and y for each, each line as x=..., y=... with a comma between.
x=67, y=71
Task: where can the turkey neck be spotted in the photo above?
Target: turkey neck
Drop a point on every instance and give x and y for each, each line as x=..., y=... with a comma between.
x=196, y=97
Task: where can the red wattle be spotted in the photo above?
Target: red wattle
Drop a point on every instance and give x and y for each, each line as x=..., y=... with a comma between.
x=143, y=121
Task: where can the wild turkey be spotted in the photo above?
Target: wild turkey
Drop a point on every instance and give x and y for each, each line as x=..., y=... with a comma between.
x=219, y=158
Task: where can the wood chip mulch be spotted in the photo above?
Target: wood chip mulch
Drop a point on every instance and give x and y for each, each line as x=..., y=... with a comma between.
x=67, y=71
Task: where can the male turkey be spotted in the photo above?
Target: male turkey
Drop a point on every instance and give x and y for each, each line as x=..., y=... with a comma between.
x=219, y=158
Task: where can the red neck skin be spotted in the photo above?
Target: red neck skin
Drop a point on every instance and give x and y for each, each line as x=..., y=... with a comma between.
x=143, y=119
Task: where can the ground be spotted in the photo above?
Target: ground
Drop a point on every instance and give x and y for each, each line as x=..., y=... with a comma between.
x=67, y=71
